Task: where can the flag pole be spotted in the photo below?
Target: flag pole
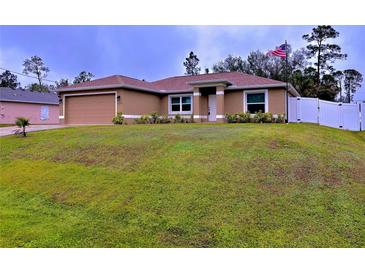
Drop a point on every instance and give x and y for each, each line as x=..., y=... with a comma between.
x=287, y=80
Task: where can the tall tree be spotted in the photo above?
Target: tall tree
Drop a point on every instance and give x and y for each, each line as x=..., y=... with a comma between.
x=297, y=59
x=62, y=83
x=84, y=76
x=9, y=80
x=324, y=52
x=338, y=75
x=36, y=66
x=352, y=82
x=304, y=81
x=37, y=87
x=230, y=63
x=328, y=88
x=260, y=64
x=191, y=64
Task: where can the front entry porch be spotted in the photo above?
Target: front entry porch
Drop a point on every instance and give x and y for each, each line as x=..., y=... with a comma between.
x=208, y=104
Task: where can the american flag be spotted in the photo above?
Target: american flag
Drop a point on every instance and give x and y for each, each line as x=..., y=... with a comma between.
x=280, y=51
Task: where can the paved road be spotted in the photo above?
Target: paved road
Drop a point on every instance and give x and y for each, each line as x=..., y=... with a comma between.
x=4, y=131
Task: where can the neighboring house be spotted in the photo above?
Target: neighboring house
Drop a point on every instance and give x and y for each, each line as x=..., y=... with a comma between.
x=208, y=97
x=38, y=107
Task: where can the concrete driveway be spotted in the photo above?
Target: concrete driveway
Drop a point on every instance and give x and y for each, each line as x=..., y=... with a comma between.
x=4, y=131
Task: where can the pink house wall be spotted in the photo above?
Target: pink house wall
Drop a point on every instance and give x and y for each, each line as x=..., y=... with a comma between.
x=10, y=110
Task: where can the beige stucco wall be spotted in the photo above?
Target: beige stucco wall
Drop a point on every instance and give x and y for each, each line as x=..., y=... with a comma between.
x=164, y=105
x=138, y=103
x=220, y=103
x=233, y=101
x=277, y=101
x=204, y=105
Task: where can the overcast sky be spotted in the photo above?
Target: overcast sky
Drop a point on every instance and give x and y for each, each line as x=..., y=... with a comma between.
x=154, y=52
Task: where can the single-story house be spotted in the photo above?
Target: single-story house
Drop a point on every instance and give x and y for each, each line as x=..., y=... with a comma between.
x=208, y=97
x=38, y=107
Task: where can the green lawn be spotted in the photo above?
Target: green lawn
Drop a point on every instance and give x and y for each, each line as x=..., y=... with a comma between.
x=188, y=185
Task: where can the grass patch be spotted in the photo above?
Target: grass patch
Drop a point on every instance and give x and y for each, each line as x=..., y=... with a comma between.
x=189, y=185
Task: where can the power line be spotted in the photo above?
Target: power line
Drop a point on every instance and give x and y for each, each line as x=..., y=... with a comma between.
x=22, y=74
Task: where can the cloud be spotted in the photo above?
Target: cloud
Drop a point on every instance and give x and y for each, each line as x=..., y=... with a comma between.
x=213, y=43
x=208, y=46
x=108, y=43
x=13, y=58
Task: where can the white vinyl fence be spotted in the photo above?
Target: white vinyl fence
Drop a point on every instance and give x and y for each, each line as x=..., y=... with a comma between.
x=326, y=113
x=363, y=116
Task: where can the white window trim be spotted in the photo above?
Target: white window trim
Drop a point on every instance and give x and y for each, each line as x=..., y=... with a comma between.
x=245, y=92
x=85, y=94
x=180, y=112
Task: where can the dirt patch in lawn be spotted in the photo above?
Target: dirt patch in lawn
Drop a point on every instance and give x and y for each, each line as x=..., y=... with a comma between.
x=59, y=197
x=115, y=156
x=112, y=156
x=180, y=237
x=274, y=144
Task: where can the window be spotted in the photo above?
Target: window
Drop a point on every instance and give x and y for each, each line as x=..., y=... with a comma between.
x=44, y=113
x=186, y=103
x=180, y=104
x=256, y=101
x=175, y=103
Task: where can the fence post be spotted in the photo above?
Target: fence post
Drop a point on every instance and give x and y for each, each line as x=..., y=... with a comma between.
x=362, y=118
x=298, y=110
x=340, y=115
x=318, y=111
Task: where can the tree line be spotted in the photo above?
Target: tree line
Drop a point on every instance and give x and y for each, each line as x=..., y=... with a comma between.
x=36, y=68
x=310, y=70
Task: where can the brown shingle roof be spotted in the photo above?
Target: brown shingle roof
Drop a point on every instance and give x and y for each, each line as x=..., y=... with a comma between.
x=113, y=80
x=176, y=83
x=237, y=79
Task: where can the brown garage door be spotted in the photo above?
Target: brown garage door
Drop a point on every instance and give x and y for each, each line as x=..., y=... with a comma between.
x=90, y=109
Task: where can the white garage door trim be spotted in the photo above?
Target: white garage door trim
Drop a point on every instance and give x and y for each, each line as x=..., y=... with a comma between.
x=85, y=94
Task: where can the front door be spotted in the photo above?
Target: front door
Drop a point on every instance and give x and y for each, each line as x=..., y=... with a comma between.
x=212, y=108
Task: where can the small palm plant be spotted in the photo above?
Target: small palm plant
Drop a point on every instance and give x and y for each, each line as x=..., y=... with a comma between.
x=22, y=123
